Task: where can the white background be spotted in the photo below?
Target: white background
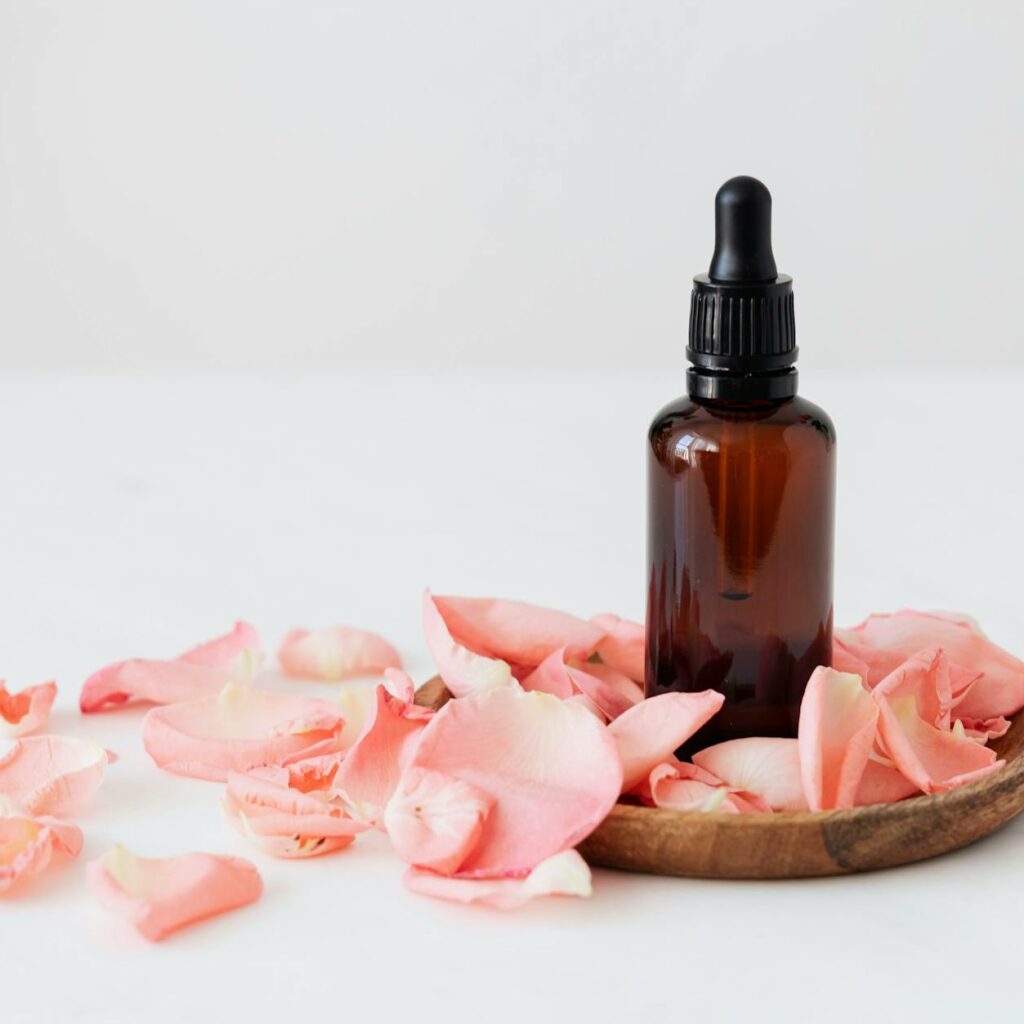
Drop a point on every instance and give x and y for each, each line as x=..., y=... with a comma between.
x=523, y=183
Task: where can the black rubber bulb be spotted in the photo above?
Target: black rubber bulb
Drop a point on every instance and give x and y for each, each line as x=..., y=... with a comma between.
x=743, y=232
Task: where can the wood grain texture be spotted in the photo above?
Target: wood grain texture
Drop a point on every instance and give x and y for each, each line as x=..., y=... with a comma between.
x=802, y=844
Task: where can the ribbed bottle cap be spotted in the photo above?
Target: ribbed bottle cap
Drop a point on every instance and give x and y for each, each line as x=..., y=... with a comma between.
x=741, y=310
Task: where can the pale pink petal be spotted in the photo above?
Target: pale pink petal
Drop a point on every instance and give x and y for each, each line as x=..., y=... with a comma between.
x=765, y=765
x=26, y=711
x=551, y=676
x=882, y=783
x=52, y=774
x=648, y=733
x=933, y=759
x=338, y=652
x=687, y=787
x=463, y=671
x=622, y=647
x=285, y=822
x=434, y=821
x=311, y=773
x=984, y=729
x=523, y=634
x=369, y=774
x=838, y=725
x=550, y=767
x=238, y=729
x=564, y=874
x=200, y=672
x=27, y=843
x=399, y=684
x=159, y=896
x=583, y=701
x=566, y=672
x=935, y=684
x=884, y=642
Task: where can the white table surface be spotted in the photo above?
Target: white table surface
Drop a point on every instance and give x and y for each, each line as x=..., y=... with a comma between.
x=139, y=515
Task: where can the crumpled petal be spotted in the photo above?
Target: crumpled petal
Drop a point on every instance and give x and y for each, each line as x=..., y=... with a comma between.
x=984, y=729
x=285, y=822
x=515, y=632
x=28, y=842
x=158, y=896
x=648, y=733
x=338, y=652
x=680, y=786
x=884, y=642
x=204, y=670
x=237, y=729
x=566, y=672
x=550, y=767
x=838, y=725
x=434, y=820
x=52, y=774
x=768, y=766
x=463, y=671
x=622, y=646
x=369, y=774
x=26, y=711
x=564, y=874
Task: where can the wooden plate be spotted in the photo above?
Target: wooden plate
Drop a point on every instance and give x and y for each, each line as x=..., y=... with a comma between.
x=802, y=844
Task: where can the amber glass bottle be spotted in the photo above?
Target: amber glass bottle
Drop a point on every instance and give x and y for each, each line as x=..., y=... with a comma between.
x=741, y=477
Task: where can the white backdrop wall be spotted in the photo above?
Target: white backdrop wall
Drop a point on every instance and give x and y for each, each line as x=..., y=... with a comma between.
x=235, y=184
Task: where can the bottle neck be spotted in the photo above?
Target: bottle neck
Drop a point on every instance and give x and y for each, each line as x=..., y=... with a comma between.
x=728, y=386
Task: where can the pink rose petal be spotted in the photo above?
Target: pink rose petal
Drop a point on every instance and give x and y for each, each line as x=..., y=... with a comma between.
x=566, y=672
x=564, y=874
x=160, y=896
x=285, y=822
x=26, y=711
x=984, y=729
x=550, y=767
x=27, y=843
x=52, y=774
x=519, y=633
x=882, y=783
x=463, y=671
x=884, y=642
x=838, y=725
x=238, y=729
x=686, y=787
x=434, y=821
x=338, y=652
x=648, y=733
x=199, y=672
x=369, y=775
x=767, y=766
x=622, y=647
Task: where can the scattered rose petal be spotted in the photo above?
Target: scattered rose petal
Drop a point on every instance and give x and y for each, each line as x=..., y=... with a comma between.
x=648, y=733
x=622, y=647
x=285, y=822
x=882, y=783
x=550, y=767
x=884, y=642
x=463, y=671
x=27, y=843
x=311, y=773
x=838, y=725
x=515, y=632
x=564, y=874
x=768, y=766
x=399, y=684
x=566, y=672
x=200, y=672
x=238, y=729
x=26, y=711
x=159, y=896
x=338, y=652
x=369, y=774
x=52, y=774
x=984, y=729
x=434, y=821
x=680, y=786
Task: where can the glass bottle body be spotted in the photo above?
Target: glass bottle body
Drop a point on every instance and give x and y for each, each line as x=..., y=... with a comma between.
x=741, y=502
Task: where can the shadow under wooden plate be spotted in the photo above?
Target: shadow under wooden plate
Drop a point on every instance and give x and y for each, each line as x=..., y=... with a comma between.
x=802, y=844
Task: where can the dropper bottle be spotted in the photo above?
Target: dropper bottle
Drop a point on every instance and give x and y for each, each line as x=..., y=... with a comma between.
x=741, y=496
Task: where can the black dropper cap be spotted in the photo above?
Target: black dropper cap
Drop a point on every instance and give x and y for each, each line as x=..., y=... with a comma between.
x=742, y=330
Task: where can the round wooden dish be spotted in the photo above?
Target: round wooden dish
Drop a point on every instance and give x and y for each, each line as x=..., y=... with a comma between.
x=802, y=844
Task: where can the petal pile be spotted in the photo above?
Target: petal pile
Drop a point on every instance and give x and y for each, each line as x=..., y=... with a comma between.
x=199, y=672
x=160, y=896
x=28, y=843
x=237, y=729
x=52, y=774
x=27, y=711
x=335, y=653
